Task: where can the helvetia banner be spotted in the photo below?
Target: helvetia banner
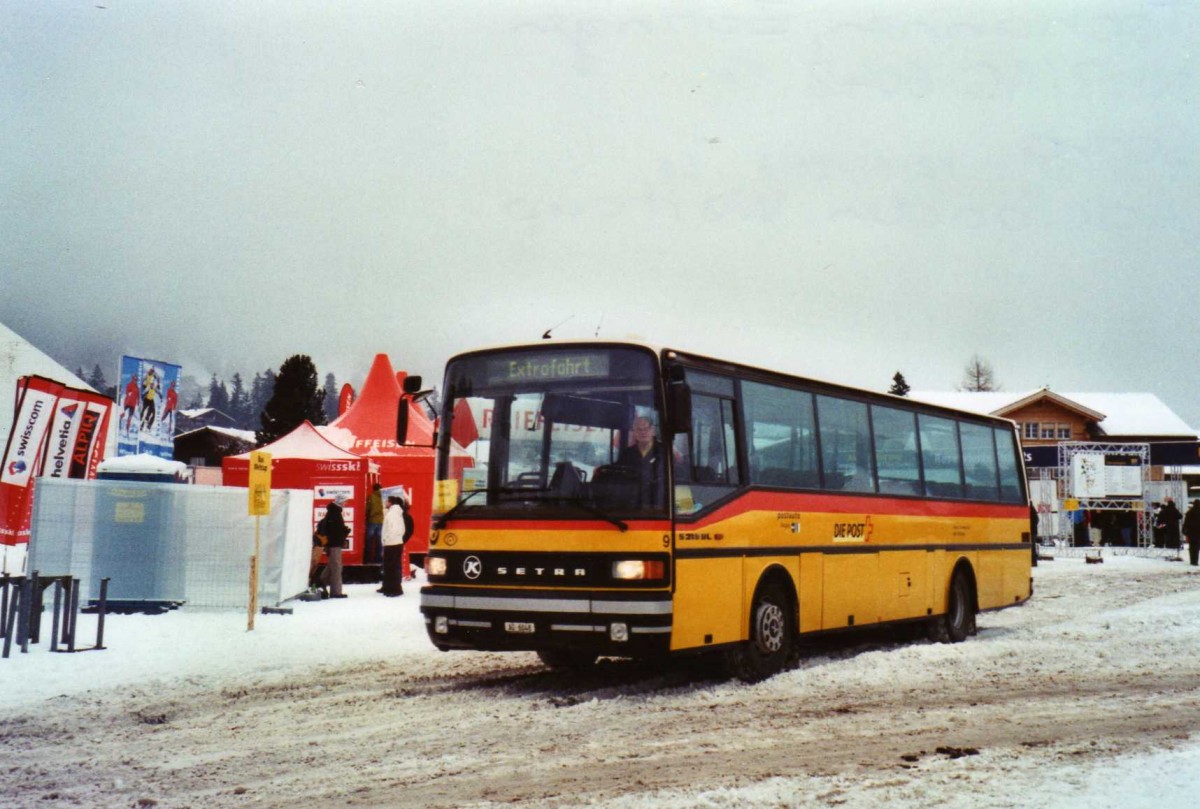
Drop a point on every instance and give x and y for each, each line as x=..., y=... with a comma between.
x=64, y=429
x=36, y=401
x=148, y=393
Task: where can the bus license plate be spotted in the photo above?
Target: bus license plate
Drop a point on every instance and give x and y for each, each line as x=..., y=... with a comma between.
x=519, y=627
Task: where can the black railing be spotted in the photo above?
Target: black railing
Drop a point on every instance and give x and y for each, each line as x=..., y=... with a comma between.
x=22, y=603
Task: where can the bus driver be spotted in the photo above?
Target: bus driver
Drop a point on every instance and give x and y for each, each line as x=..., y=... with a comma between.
x=645, y=458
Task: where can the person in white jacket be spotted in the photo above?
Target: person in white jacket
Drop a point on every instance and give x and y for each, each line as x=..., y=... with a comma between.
x=397, y=528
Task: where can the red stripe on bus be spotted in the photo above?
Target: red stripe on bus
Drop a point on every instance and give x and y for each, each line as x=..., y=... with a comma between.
x=775, y=501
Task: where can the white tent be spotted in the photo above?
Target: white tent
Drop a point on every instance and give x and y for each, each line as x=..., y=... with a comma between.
x=19, y=357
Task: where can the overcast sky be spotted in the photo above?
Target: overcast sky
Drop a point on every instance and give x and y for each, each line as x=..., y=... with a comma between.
x=834, y=188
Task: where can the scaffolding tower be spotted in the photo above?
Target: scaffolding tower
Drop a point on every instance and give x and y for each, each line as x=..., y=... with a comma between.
x=1068, y=485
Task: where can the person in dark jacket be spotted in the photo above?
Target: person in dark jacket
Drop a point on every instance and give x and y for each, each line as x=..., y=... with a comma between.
x=645, y=459
x=1169, y=517
x=1033, y=531
x=1191, y=530
x=333, y=526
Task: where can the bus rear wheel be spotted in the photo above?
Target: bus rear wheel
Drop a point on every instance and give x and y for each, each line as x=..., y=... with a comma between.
x=959, y=620
x=772, y=644
x=566, y=659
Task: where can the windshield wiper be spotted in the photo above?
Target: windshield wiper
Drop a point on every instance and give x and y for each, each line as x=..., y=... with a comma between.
x=579, y=503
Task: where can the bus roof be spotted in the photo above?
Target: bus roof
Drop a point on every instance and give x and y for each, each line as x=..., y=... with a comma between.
x=733, y=366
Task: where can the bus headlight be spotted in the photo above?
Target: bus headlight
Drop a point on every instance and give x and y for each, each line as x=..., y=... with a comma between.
x=638, y=570
x=435, y=566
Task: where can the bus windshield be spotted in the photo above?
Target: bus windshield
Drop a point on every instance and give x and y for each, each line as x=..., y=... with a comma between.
x=563, y=431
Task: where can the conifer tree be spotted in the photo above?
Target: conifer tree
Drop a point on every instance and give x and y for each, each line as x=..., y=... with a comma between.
x=899, y=386
x=331, y=398
x=239, y=403
x=97, y=381
x=261, y=389
x=296, y=397
x=218, y=395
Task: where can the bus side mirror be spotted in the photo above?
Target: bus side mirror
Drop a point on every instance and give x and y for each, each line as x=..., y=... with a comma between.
x=412, y=386
x=402, y=419
x=412, y=392
x=679, y=401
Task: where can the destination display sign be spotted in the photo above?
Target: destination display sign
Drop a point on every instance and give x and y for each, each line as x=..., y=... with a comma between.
x=548, y=367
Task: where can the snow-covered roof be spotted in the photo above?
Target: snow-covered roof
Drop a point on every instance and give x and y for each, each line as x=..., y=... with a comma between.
x=143, y=464
x=18, y=357
x=249, y=436
x=1131, y=414
x=983, y=403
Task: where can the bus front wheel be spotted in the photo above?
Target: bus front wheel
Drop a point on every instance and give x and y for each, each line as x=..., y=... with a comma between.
x=772, y=644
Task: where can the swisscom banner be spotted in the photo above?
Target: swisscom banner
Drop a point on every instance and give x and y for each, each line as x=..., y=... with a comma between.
x=148, y=396
x=36, y=400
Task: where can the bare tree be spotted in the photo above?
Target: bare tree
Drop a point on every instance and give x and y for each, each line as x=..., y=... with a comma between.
x=979, y=376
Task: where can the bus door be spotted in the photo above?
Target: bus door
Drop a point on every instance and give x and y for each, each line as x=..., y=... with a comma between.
x=709, y=564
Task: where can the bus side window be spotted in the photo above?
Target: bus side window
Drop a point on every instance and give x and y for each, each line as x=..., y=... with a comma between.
x=979, y=461
x=1010, y=474
x=713, y=456
x=780, y=436
x=847, y=460
x=941, y=457
x=713, y=449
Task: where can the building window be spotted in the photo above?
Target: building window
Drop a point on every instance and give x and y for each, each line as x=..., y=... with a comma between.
x=1048, y=431
x=1031, y=429
x=1064, y=432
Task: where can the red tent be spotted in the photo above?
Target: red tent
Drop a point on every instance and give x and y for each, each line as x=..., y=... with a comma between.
x=368, y=429
x=304, y=459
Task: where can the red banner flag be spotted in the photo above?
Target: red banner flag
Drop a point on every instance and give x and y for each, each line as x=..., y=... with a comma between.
x=93, y=434
x=345, y=398
x=36, y=400
x=463, y=429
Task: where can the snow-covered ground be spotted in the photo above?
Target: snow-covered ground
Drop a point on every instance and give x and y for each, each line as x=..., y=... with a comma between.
x=1088, y=696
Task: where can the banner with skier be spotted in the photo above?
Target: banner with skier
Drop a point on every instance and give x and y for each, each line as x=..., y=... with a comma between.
x=148, y=396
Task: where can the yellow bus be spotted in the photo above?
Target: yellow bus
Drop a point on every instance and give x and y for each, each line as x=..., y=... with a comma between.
x=635, y=501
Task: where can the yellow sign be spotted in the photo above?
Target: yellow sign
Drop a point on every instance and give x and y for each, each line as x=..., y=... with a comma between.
x=445, y=495
x=130, y=512
x=260, y=483
x=685, y=503
x=1070, y=504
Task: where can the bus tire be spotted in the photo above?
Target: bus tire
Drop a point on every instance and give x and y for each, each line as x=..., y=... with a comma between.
x=566, y=659
x=772, y=645
x=959, y=620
